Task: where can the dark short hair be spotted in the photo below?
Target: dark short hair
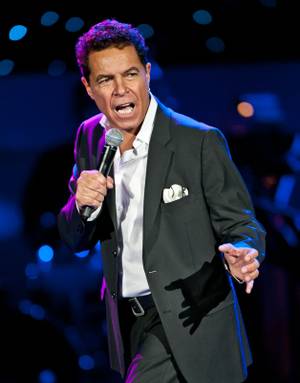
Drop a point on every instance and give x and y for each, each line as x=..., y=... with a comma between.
x=108, y=33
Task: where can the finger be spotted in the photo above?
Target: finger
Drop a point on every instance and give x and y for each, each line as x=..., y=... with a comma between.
x=109, y=182
x=249, y=277
x=92, y=178
x=232, y=259
x=250, y=267
x=226, y=248
x=250, y=254
x=249, y=286
x=81, y=202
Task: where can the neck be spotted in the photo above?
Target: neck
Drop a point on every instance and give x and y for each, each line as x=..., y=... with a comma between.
x=128, y=139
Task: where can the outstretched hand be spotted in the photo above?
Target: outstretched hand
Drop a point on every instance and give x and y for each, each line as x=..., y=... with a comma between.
x=242, y=262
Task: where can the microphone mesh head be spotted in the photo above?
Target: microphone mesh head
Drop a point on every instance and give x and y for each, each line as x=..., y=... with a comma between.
x=113, y=137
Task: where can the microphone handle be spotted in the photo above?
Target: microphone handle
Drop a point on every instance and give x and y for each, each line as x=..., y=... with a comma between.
x=104, y=168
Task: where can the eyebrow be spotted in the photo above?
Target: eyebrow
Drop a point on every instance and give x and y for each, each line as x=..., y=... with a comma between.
x=108, y=75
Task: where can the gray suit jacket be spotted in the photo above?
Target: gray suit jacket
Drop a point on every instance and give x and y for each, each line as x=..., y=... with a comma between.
x=179, y=239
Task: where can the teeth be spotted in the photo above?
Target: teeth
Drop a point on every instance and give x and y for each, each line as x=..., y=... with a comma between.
x=126, y=110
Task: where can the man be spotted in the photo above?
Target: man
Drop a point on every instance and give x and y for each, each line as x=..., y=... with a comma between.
x=175, y=223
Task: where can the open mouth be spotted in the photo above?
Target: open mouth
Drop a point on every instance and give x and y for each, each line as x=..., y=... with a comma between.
x=126, y=108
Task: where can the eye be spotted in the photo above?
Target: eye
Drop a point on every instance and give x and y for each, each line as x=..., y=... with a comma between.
x=103, y=81
x=131, y=74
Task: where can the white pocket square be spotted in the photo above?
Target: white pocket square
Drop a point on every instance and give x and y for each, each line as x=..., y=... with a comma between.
x=174, y=192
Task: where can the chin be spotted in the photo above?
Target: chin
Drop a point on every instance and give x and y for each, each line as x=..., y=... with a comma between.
x=128, y=125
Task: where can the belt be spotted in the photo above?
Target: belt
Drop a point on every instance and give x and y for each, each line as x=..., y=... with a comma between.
x=139, y=305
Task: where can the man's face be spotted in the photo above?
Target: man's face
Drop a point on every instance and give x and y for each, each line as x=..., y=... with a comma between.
x=119, y=85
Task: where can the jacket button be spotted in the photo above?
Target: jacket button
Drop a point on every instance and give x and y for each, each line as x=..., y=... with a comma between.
x=115, y=252
x=114, y=295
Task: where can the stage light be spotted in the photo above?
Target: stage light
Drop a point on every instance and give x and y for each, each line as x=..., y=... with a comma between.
x=45, y=253
x=6, y=66
x=245, y=109
x=269, y=3
x=74, y=24
x=57, y=68
x=215, y=44
x=86, y=362
x=202, y=17
x=156, y=71
x=49, y=18
x=47, y=376
x=37, y=312
x=10, y=220
x=24, y=306
x=32, y=271
x=17, y=32
x=146, y=30
x=47, y=220
x=82, y=254
x=267, y=106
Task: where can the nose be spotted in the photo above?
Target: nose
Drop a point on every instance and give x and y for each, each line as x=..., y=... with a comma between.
x=120, y=87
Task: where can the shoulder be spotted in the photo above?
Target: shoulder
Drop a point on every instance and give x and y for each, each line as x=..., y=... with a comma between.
x=91, y=123
x=89, y=127
x=189, y=129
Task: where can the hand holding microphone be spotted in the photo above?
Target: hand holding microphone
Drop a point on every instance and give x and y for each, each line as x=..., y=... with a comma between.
x=92, y=185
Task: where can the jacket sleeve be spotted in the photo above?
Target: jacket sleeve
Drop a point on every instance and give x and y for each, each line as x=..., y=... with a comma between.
x=229, y=203
x=76, y=233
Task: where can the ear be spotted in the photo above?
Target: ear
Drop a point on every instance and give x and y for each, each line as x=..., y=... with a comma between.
x=88, y=88
x=148, y=70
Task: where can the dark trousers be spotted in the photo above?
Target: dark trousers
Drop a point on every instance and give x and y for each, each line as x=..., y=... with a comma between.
x=147, y=353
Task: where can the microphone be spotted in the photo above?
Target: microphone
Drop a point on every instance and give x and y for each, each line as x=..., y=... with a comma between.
x=113, y=138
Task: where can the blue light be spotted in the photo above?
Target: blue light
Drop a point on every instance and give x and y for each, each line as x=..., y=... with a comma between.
x=86, y=362
x=37, y=312
x=74, y=24
x=267, y=106
x=202, y=17
x=284, y=190
x=269, y=3
x=17, y=32
x=47, y=376
x=25, y=306
x=215, y=44
x=6, y=66
x=45, y=253
x=49, y=18
x=146, y=30
x=10, y=220
x=32, y=271
x=156, y=72
x=56, y=68
x=82, y=254
x=48, y=219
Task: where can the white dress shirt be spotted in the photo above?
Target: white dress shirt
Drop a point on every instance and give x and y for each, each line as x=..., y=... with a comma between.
x=129, y=180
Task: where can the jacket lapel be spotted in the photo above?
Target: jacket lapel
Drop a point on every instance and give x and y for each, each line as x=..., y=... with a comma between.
x=111, y=202
x=159, y=158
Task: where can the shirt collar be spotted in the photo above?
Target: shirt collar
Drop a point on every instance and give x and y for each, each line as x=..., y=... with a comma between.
x=145, y=132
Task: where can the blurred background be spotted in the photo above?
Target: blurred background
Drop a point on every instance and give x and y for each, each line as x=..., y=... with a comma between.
x=232, y=64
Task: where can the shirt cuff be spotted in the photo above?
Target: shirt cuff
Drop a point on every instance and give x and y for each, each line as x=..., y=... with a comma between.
x=240, y=281
x=94, y=214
